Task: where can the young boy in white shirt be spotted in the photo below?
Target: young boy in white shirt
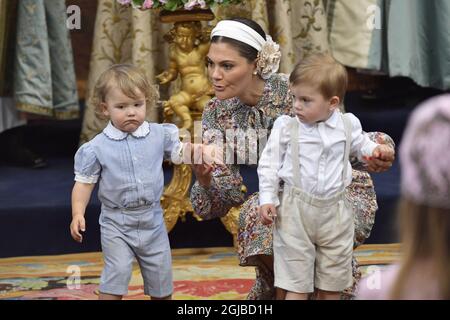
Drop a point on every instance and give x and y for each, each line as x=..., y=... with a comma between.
x=313, y=233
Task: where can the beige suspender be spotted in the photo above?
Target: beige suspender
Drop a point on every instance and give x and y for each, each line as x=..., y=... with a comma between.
x=295, y=148
x=295, y=152
x=348, y=141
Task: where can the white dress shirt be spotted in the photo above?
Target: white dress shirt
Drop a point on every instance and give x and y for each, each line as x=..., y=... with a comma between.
x=321, y=152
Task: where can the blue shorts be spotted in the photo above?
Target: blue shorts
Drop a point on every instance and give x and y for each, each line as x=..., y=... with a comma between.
x=140, y=234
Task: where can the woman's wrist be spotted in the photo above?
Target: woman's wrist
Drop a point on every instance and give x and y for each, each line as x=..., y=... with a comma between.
x=205, y=183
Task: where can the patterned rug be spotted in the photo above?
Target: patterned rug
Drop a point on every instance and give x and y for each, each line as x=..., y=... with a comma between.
x=211, y=273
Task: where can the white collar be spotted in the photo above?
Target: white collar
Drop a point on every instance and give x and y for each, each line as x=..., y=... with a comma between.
x=115, y=134
x=333, y=119
x=330, y=122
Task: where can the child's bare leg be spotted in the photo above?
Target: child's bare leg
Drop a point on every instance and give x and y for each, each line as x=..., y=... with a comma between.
x=328, y=295
x=106, y=296
x=296, y=296
x=163, y=298
x=280, y=294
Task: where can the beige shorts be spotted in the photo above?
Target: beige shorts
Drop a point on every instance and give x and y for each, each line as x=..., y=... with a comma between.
x=313, y=243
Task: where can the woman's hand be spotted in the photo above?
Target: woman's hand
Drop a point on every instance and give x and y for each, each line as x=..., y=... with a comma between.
x=196, y=153
x=212, y=154
x=382, y=158
x=203, y=173
x=205, y=156
x=268, y=213
x=201, y=169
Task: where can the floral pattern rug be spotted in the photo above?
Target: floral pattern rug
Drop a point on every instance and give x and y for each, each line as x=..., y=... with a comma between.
x=210, y=273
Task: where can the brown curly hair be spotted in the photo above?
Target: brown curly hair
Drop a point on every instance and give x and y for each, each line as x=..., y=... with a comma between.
x=129, y=79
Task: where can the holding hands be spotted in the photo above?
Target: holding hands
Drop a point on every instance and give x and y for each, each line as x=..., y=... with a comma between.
x=268, y=213
x=204, y=158
x=381, y=159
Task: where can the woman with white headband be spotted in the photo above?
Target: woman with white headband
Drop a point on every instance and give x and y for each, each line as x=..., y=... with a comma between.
x=242, y=64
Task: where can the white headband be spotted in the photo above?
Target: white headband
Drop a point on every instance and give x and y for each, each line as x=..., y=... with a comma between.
x=239, y=31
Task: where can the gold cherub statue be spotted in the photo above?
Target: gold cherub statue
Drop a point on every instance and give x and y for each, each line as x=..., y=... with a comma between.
x=189, y=45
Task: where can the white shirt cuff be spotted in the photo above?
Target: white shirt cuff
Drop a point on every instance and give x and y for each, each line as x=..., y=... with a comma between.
x=177, y=154
x=268, y=198
x=368, y=149
x=86, y=179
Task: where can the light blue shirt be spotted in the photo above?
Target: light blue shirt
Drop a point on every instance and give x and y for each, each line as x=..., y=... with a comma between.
x=128, y=166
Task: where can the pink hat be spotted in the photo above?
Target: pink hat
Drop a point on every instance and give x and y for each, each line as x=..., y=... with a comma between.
x=425, y=154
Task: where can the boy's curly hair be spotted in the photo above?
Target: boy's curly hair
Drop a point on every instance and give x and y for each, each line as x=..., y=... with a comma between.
x=129, y=79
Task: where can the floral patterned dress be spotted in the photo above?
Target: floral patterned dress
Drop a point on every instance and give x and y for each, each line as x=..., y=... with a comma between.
x=227, y=186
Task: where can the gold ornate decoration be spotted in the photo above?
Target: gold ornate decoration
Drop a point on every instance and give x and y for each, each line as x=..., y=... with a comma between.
x=175, y=200
x=186, y=16
x=231, y=222
x=189, y=44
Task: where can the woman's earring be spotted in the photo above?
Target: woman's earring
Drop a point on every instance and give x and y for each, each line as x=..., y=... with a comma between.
x=255, y=73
